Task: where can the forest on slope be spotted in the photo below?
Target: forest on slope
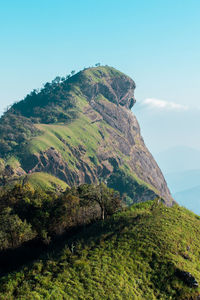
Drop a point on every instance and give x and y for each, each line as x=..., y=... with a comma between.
x=147, y=251
x=28, y=214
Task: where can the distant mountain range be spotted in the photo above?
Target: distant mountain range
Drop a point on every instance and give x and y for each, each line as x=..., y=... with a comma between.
x=181, y=167
x=183, y=180
x=178, y=159
x=185, y=188
x=189, y=198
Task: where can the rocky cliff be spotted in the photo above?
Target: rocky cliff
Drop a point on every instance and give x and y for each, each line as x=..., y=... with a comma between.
x=98, y=140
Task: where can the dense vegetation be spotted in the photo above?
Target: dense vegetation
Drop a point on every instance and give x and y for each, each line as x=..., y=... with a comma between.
x=26, y=213
x=15, y=131
x=50, y=105
x=53, y=103
x=135, y=254
x=129, y=187
x=56, y=137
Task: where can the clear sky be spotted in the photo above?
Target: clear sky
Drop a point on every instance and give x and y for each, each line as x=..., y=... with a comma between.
x=156, y=42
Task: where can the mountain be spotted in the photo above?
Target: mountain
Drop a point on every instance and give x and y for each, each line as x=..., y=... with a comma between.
x=183, y=180
x=80, y=129
x=189, y=198
x=177, y=159
x=148, y=251
x=185, y=188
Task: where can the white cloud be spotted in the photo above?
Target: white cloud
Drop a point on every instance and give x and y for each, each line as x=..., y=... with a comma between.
x=162, y=104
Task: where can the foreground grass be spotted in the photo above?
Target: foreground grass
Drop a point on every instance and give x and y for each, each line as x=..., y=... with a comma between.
x=132, y=255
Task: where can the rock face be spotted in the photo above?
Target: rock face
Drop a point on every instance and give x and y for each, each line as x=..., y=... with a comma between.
x=102, y=141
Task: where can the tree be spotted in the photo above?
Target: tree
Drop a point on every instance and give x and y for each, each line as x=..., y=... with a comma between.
x=56, y=80
x=68, y=76
x=13, y=231
x=108, y=199
x=47, y=87
x=64, y=213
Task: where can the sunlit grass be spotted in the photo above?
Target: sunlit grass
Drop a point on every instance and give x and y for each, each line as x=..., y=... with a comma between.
x=132, y=255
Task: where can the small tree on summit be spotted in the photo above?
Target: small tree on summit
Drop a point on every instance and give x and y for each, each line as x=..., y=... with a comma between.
x=56, y=80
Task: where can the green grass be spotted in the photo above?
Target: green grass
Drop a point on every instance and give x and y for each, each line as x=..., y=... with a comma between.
x=95, y=74
x=65, y=138
x=13, y=161
x=132, y=255
x=78, y=131
x=2, y=163
x=46, y=182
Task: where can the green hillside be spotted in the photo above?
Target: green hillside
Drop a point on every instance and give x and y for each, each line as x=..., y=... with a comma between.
x=60, y=101
x=79, y=129
x=46, y=182
x=136, y=254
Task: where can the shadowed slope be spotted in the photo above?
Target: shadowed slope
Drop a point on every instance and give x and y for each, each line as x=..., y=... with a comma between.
x=141, y=253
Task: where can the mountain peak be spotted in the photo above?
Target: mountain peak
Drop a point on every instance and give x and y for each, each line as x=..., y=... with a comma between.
x=80, y=129
x=107, y=81
x=55, y=102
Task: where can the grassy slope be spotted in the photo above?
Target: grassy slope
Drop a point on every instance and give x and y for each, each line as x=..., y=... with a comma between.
x=77, y=133
x=41, y=180
x=95, y=74
x=80, y=131
x=133, y=255
x=46, y=182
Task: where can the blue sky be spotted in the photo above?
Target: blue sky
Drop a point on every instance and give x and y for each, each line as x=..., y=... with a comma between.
x=155, y=42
